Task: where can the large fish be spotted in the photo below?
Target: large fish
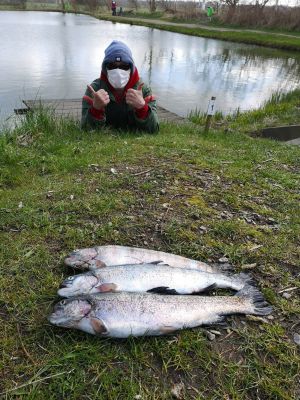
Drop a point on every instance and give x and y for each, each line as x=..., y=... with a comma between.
x=153, y=277
x=124, y=314
x=100, y=256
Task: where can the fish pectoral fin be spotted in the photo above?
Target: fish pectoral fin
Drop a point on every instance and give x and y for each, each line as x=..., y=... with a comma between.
x=162, y=290
x=218, y=321
x=107, y=287
x=165, y=330
x=99, y=264
x=99, y=326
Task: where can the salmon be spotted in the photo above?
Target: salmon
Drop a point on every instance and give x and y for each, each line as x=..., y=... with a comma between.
x=101, y=256
x=154, y=277
x=120, y=315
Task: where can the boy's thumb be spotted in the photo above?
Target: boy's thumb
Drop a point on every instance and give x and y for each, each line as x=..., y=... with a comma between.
x=140, y=87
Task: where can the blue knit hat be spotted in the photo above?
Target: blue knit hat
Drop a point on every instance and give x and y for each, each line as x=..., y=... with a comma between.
x=117, y=51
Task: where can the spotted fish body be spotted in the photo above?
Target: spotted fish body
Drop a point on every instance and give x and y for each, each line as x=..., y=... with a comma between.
x=100, y=256
x=148, y=277
x=120, y=315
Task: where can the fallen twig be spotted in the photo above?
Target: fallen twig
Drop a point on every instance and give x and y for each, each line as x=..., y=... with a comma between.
x=289, y=289
x=144, y=172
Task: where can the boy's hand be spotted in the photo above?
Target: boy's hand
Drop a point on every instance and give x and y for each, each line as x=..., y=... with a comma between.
x=100, y=98
x=135, y=98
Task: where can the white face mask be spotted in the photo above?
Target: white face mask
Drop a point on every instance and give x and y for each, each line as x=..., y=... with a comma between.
x=118, y=78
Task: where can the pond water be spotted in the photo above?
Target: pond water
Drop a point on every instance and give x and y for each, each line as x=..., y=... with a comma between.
x=54, y=55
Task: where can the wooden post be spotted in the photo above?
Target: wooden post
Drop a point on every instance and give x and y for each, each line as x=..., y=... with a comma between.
x=210, y=113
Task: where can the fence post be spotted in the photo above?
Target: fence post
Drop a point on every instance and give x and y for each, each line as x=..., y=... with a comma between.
x=210, y=113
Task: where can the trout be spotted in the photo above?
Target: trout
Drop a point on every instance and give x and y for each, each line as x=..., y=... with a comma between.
x=154, y=277
x=101, y=256
x=120, y=315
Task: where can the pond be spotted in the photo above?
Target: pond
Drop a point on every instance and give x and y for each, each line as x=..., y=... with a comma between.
x=54, y=55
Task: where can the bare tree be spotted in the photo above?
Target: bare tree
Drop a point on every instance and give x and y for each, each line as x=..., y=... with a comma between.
x=231, y=3
x=23, y=3
x=133, y=4
x=108, y=4
x=232, y=6
x=260, y=4
x=63, y=5
x=74, y=5
x=92, y=5
x=152, y=5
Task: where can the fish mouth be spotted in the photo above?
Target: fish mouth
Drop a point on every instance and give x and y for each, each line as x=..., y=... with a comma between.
x=54, y=319
x=61, y=321
x=73, y=261
x=65, y=291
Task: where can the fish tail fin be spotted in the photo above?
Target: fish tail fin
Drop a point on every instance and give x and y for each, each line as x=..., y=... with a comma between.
x=258, y=304
x=243, y=280
x=220, y=268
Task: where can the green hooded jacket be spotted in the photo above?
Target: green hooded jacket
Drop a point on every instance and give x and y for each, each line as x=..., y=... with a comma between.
x=118, y=114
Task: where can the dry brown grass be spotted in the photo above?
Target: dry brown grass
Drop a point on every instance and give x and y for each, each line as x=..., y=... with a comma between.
x=183, y=10
x=287, y=18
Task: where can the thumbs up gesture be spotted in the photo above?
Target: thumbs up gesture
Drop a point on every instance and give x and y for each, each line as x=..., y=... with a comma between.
x=100, y=98
x=135, y=98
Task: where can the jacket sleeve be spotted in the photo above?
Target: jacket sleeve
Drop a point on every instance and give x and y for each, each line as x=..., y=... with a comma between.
x=150, y=123
x=90, y=117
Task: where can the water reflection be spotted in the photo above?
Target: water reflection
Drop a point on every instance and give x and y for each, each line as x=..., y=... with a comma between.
x=55, y=55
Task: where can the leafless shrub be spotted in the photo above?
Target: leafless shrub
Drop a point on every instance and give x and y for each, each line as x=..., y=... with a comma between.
x=152, y=5
x=133, y=4
x=186, y=10
x=284, y=17
x=260, y=15
x=189, y=10
x=92, y=5
x=74, y=5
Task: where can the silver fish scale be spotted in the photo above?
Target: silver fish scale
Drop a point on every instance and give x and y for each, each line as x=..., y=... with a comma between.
x=116, y=255
x=131, y=313
x=148, y=276
x=123, y=314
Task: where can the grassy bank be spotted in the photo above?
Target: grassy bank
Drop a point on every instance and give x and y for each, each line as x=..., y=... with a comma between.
x=265, y=39
x=202, y=196
x=261, y=38
x=280, y=109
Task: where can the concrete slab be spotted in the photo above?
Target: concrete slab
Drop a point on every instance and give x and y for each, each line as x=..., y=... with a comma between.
x=72, y=108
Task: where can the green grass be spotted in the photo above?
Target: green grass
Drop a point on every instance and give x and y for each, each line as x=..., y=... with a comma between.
x=58, y=193
x=261, y=39
x=217, y=23
x=265, y=39
x=280, y=109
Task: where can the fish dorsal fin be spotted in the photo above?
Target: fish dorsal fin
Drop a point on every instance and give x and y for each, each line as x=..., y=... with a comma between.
x=159, y=262
x=162, y=290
